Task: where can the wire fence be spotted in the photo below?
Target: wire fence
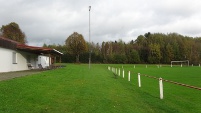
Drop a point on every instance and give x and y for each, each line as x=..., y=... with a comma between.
x=117, y=71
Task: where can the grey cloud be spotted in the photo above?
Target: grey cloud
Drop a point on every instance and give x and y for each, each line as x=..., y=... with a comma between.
x=45, y=21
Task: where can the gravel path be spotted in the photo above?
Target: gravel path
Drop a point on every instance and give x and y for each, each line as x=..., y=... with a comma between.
x=11, y=75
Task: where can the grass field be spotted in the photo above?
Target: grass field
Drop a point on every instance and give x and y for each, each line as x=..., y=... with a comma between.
x=75, y=88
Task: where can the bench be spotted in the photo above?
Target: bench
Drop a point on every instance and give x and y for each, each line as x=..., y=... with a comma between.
x=30, y=66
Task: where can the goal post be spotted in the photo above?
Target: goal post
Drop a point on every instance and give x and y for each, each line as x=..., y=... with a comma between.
x=184, y=61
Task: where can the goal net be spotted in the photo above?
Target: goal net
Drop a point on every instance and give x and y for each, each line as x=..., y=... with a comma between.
x=184, y=62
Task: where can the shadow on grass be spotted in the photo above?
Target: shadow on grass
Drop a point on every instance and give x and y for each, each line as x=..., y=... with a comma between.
x=115, y=76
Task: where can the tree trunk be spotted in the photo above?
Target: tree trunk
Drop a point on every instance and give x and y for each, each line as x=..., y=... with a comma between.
x=77, y=58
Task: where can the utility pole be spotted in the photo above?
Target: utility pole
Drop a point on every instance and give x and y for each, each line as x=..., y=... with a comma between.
x=89, y=40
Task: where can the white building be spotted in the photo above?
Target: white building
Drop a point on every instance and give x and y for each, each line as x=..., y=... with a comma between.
x=15, y=56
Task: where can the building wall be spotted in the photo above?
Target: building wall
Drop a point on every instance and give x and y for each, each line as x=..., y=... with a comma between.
x=6, y=60
x=44, y=61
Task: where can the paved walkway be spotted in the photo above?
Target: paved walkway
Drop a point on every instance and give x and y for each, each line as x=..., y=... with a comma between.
x=11, y=75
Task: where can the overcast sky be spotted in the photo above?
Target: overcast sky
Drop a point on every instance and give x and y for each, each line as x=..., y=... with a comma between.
x=52, y=21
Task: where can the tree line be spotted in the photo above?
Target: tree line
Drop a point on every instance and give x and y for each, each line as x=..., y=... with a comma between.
x=150, y=48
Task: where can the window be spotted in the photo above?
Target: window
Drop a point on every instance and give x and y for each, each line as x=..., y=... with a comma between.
x=14, y=58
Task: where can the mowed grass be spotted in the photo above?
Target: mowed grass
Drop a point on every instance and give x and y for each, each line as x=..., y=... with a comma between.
x=76, y=88
x=176, y=98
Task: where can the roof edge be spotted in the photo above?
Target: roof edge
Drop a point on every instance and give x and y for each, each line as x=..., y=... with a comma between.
x=58, y=51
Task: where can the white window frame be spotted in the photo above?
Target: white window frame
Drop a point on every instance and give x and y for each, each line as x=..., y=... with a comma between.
x=14, y=55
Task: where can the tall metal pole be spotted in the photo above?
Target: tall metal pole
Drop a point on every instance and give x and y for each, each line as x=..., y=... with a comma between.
x=89, y=40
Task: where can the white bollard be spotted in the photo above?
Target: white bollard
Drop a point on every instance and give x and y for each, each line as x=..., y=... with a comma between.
x=129, y=75
x=139, y=81
x=199, y=65
x=119, y=71
x=181, y=65
x=123, y=73
x=161, y=87
x=171, y=65
x=192, y=65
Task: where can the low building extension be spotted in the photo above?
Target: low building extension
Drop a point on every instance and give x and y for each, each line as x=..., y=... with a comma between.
x=15, y=56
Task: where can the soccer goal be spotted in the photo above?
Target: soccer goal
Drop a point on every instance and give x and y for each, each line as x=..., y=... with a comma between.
x=185, y=62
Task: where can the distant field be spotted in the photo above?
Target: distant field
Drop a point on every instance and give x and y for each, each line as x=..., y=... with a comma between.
x=189, y=75
x=75, y=88
x=182, y=98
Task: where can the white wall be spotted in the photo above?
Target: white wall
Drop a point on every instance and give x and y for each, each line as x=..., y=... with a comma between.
x=44, y=61
x=6, y=60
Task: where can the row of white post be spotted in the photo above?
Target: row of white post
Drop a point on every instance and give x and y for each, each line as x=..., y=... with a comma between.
x=114, y=70
x=182, y=65
x=158, y=66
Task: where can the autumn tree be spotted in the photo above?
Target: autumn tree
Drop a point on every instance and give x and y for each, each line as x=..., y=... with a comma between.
x=169, y=52
x=119, y=52
x=76, y=45
x=13, y=32
x=132, y=54
x=148, y=48
x=154, y=53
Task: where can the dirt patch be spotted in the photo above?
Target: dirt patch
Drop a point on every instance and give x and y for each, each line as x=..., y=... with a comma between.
x=11, y=75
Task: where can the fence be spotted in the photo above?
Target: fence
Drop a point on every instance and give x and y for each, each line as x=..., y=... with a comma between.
x=160, y=80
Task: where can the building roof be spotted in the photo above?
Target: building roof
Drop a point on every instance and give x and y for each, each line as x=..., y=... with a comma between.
x=10, y=44
x=7, y=43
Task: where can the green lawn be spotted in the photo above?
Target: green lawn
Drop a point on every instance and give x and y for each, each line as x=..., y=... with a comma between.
x=75, y=88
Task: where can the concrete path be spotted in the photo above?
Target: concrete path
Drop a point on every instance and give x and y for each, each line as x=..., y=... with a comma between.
x=11, y=75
